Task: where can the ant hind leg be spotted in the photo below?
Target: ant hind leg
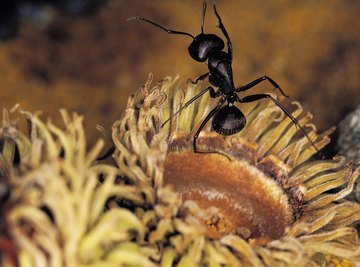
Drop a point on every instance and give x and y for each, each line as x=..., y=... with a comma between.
x=256, y=97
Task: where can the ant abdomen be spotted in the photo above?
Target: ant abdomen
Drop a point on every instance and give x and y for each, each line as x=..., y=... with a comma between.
x=228, y=120
x=203, y=45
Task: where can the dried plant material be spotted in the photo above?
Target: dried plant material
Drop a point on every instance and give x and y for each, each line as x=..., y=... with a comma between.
x=270, y=170
x=259, y=201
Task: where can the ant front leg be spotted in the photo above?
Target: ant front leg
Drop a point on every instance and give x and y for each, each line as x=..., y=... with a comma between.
x=252, y=98
x=257, y=81
x=200, y=78
x=208, y=117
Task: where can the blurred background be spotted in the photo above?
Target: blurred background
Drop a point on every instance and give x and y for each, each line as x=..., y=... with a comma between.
x=82, y=55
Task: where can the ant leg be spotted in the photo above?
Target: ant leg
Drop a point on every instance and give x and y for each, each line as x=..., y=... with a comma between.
x=161, y=27
x=222, y=28
x=200, y=78
x=208, y=117
x=108, y=153
x=212, y=92
x=257, y=81
x=252, y=98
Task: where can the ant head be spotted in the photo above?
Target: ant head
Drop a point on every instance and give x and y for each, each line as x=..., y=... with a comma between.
x=228, y=120
x=203, y=45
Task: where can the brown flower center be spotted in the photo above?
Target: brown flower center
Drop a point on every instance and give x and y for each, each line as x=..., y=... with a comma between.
x=250, y=203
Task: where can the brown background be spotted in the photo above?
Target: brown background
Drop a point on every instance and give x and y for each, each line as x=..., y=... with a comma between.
x=92, y=64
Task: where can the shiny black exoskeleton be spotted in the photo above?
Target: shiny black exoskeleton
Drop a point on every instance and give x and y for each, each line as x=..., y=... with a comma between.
x=228, y=119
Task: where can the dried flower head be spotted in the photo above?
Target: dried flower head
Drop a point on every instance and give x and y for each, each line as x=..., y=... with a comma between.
x=268, y=205
x=258, y=201
x=59, y=212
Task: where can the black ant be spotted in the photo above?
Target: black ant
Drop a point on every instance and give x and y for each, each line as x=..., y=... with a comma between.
x=228, y=119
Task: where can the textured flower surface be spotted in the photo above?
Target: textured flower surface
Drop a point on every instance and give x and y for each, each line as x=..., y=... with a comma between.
x=258, y=199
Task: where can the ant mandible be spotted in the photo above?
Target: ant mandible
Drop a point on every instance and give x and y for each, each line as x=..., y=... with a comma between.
x=228, y=119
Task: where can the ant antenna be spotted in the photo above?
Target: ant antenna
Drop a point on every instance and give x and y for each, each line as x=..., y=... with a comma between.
x=161, y=27
x=203, y=16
